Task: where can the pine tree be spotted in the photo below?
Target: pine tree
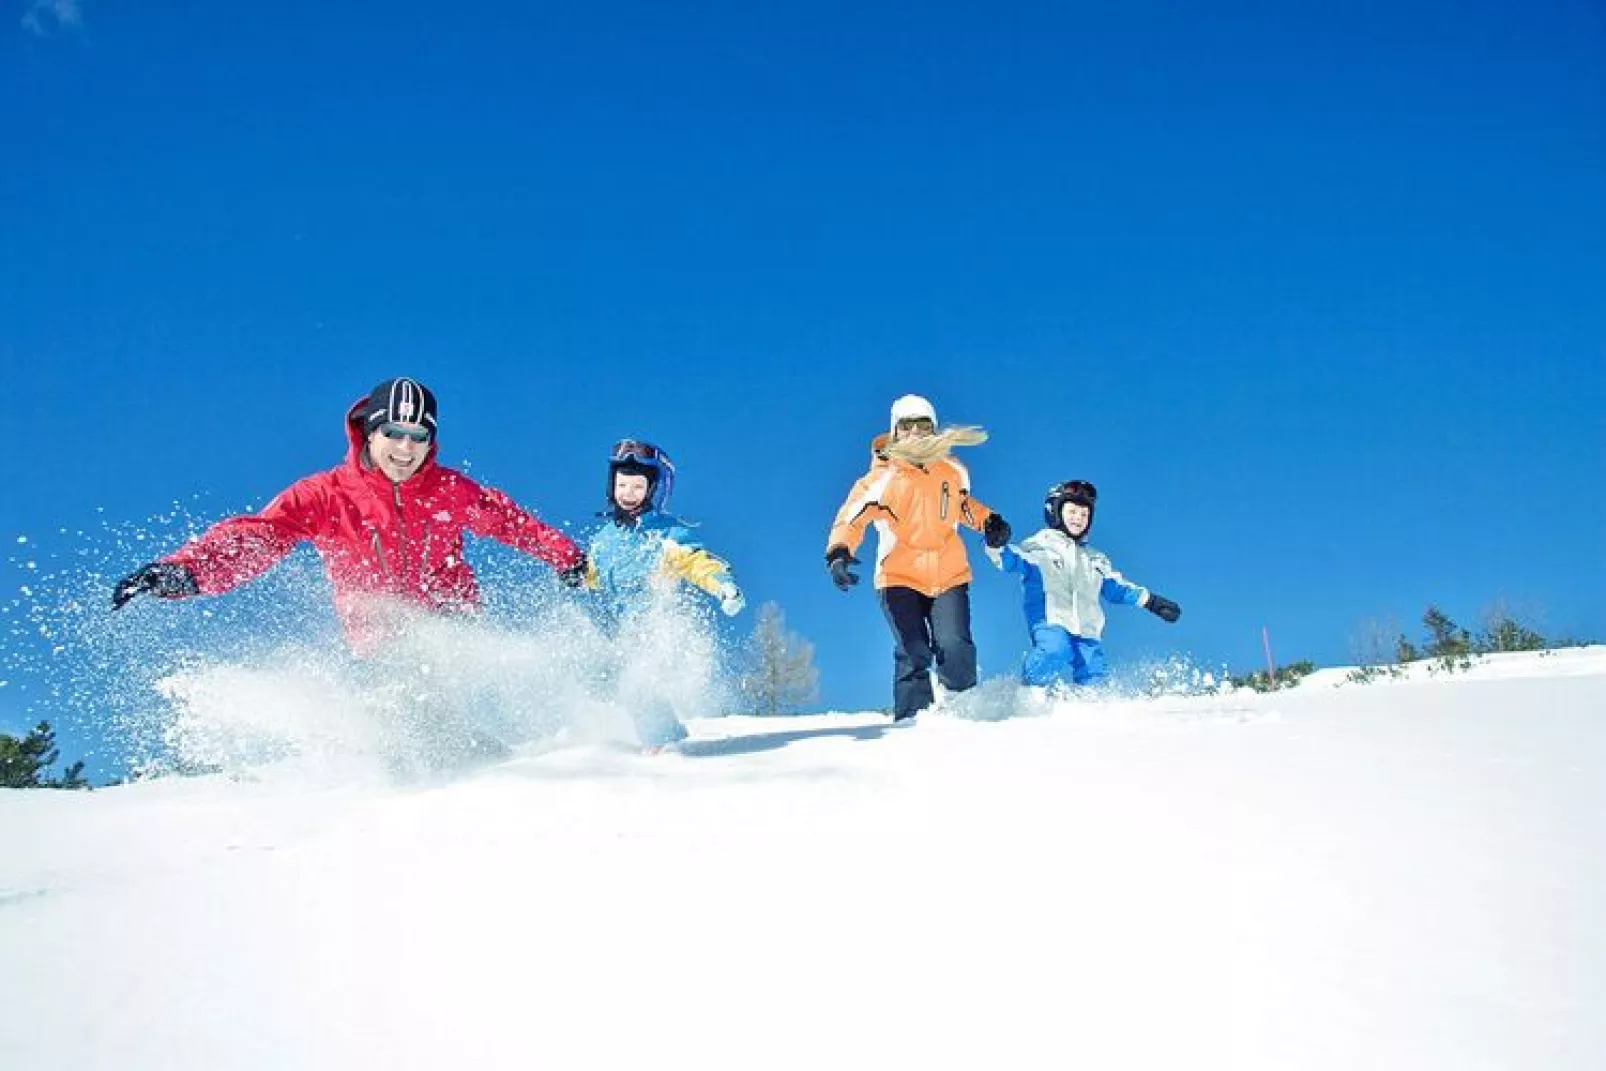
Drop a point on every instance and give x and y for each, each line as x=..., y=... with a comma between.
x=1504, y=631
x=1446, y=639
x=24, y=761
x=781, y=675
x=1448, y=642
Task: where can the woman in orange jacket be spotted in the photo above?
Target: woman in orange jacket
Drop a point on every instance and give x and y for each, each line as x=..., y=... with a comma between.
x=916, y=495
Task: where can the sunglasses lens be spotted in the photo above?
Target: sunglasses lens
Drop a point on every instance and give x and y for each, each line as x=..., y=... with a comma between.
x=396, y=434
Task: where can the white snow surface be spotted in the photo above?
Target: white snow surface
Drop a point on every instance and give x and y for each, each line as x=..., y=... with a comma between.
x=1409, y=874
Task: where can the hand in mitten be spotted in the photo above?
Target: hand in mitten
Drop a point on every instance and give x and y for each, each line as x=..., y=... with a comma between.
x=731, y=600
x=576, y=575
x=996, y=531
x=1162, y=607
x=162, y=579
x=838, y=559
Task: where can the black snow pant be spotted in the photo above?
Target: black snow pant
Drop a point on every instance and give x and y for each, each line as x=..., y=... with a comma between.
x=928, y=629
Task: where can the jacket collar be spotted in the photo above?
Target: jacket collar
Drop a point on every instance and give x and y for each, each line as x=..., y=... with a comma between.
x=1054, y=539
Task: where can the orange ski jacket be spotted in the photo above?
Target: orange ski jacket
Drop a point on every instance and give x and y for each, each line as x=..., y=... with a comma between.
x=916, y=511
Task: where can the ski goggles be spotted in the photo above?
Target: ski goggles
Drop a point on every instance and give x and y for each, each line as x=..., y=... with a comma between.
x=918, y=423
x=637, y=450
x=1077, y=491
x=396, y=433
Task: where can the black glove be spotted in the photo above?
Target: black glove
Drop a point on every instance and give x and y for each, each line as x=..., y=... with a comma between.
x=1162, y=607
x=575, y=575
x=163, y=579
x=996, y=531
x=837, y=559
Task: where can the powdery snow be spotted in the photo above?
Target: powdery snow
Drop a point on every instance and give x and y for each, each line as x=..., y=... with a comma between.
x=1402, y=875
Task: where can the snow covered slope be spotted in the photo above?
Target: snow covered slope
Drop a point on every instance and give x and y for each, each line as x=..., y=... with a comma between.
x=1404, y=875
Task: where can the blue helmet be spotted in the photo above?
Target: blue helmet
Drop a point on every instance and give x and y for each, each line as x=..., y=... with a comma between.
x=639, y=457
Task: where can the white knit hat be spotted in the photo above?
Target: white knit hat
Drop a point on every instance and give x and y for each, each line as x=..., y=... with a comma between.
x=911, y=407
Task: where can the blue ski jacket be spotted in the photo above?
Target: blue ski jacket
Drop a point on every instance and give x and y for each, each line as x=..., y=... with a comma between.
x=654, y=552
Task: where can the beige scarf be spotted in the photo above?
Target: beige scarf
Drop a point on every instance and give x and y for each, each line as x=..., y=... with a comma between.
x=924, y=449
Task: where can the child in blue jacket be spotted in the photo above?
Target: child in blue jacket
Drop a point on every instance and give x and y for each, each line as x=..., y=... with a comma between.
x=1063, y=580
x=641, y=550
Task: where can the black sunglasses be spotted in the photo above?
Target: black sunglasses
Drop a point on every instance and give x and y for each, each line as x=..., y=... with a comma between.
x=396, y=433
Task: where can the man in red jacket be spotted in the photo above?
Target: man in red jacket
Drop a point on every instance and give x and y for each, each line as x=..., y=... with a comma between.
x=388, y=524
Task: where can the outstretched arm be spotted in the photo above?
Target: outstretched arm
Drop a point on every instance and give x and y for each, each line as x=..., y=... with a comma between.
x=1118, y=589
x=1008, y=559
x=496, y=516
x=684, y=558
x=973, y=513
x=1011, y=560
x=696, y=567
x=241, y=549
x=704, y=571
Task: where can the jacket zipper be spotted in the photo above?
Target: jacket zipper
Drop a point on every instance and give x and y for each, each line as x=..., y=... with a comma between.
x=380, y=552
x=401, y=529
x=944, y=514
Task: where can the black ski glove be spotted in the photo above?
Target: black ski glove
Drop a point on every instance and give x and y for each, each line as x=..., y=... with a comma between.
x=1162, y=607
x=575, y=575
x=996, y=532
x=163, y=579
x=838, y=559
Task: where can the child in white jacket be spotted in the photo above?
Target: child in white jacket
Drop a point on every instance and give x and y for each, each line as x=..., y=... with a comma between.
x=1063, y=580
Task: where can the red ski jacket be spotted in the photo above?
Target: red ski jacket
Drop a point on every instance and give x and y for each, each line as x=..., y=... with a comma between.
x=380, y=541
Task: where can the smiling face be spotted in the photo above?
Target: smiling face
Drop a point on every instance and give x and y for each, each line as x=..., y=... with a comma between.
x=630, y=492
x=399, y=450
x=1074, y=516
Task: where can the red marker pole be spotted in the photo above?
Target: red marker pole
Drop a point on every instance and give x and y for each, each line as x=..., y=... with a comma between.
x=1271, y=667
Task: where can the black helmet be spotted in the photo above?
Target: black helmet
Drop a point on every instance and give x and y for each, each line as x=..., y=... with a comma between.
x=1081, y=492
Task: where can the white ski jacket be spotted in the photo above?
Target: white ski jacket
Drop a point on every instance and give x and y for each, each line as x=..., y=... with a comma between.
x=1063, y=582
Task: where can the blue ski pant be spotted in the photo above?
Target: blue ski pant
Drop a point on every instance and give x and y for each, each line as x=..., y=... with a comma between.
x=656, y=725
x=632, y=684
x=1059, y=657
x=928, y=630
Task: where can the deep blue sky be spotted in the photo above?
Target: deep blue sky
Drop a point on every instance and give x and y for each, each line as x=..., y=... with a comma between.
x=1314, y=295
